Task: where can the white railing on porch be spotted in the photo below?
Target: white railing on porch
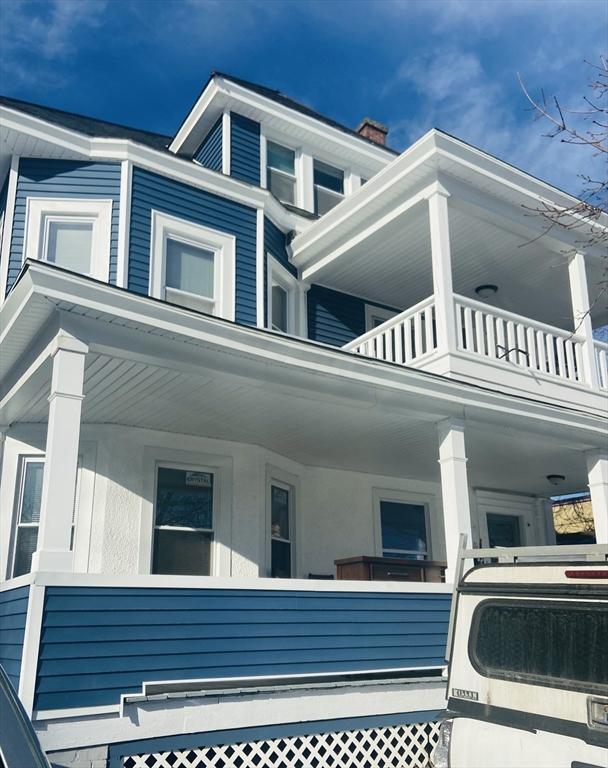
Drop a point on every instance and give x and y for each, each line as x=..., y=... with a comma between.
x=404, y=338
x=501, y=335
x=601, y=358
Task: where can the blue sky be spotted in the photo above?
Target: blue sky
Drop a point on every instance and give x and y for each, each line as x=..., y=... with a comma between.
x=412, y=64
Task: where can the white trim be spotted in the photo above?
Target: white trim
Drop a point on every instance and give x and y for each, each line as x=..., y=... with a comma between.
x=425, y=500
x=40, y=715
x=31, y=645
x=289, y=283
x=40, y=210
x=124, y=224
x=263, y=158
x=7, y=227
x=304, y=180
x=222, y=469
x=163, y=227
x=85, y=490
x=226, y=148
x=260, y=252
x=372, y=311
x=291, y=483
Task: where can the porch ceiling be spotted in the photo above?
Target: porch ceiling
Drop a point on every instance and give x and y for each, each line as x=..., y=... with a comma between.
x=393, y=266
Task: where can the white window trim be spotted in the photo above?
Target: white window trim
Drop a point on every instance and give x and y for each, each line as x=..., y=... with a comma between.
x=221, y=466
x=40, y=210
x=278, y=477
x=372, y=311
x=281, y=276
x=223, y=246
x=403, y=497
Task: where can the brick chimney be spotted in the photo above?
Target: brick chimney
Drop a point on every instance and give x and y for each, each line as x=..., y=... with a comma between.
x=372, y=130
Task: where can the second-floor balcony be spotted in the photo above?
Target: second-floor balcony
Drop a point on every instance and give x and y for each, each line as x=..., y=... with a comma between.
x=453, y=244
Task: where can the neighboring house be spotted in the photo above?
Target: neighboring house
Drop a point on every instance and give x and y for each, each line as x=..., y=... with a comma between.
x=235, y=356
x=573, y=520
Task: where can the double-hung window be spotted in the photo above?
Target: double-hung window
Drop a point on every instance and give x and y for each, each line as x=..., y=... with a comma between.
x=192, y=265
x=184, y=517
x=283, y=298
x=73, y=234
x=328, y=186
x=280, y=172
x=404, y=529
x=281, y=529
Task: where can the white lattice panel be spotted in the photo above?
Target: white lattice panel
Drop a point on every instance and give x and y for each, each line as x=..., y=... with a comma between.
x=401, y=746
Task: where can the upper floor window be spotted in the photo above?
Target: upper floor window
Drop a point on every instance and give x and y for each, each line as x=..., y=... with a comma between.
x=328, y=186
x=71, y=233
x=192, y=265
x=283, y=298
x=280, y=172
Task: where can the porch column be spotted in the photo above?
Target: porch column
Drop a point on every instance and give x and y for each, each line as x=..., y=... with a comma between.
x=442, y=268
x=454, y=489
x=579, y=293
x=597, y=471
x=61, y=456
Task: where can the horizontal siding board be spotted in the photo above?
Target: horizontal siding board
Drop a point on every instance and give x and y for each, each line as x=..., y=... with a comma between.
x=63, y=178
x=98, y=643
x=334, y=317
x=153, y=192
x=13, y=615
x=244, y=149
x=209, y=153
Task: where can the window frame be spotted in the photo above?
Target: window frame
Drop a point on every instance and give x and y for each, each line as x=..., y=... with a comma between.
x=40, y=211
x=221, y=244
x=289, y=482
x=403, y=497
x=279, y=275
x=331, y=192
x=524, y=678
x=372, y=311
x=160, y=464
x=292, y=177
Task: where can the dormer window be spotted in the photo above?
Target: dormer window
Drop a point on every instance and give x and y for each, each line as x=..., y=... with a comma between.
x=280, y=172
x=328, y=186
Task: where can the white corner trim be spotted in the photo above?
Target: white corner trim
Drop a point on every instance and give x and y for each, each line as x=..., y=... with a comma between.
x=7, y=227
x=226, y=149
x=260, y=252
x=31, y=645
x=124, y=222
x=222, y=244
x=38, y=209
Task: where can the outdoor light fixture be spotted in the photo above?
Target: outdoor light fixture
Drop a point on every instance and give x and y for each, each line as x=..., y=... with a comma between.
x=556, y=479
x=485, y=291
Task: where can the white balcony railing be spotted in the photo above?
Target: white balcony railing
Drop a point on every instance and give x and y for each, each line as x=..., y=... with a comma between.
x=403, y=339
x=601, y=358
x=502, y=335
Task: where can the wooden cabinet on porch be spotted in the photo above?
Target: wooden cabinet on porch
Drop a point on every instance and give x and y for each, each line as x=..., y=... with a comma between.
x=367, y=568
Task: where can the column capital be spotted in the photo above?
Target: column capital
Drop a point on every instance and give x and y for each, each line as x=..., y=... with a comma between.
x=65, y=341
x=435, y=188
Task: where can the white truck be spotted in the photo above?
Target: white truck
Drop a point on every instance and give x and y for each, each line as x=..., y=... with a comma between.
x=528, y=660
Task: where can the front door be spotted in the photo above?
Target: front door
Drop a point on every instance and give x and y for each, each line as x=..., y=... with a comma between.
x=504, y=530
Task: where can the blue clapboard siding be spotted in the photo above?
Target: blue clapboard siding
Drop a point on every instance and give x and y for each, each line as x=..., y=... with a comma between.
x=63, y=178
x=13, y=613
x=244, y=149
x=151, y=191
x=100, y=642
x=209, y=153
x=335, y=317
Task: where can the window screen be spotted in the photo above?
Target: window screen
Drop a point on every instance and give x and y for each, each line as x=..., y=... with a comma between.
x=552, y=643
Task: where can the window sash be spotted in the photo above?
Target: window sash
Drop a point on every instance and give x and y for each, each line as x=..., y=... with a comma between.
x=281, y=541
x=276, y=150
x=279, y=323
x=176, y=250
x=70, y=263
x=422, y=552
x=289, y=182
x=328, y=177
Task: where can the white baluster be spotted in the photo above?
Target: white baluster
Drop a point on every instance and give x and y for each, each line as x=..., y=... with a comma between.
x=407, y=332
x=541, y=348
x=551, y=353
x=468, y=330
x=511, y=342
x=523, y=358
x=501, y=341
x=428, y=329
x=479, y=334
x=399, y=343
x=459, y=325
x=388, y=346
x=490, y=335
x=530, y=343
x=561, y=360
x=417, y=335
x=568, y=346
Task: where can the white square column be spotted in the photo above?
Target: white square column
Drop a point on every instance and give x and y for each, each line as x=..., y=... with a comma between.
x=597, y=470
x=454, y=489
x=583, y=327
x=61, y=456
x=445, y=315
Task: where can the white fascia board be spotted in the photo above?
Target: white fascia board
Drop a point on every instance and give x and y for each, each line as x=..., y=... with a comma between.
x=194, y=116
x=438, y=394
x=163, y=163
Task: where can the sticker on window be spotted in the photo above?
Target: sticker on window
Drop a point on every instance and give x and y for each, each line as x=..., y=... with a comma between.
x=199, y=479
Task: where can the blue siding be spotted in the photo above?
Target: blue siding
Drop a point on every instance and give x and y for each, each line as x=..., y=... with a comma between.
x=244, y=149
x=63, y=178
x=13, y=613
x=209, y=153
x=150, y=191
x=100, y=642
x=261, y=732
x=334, y=317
